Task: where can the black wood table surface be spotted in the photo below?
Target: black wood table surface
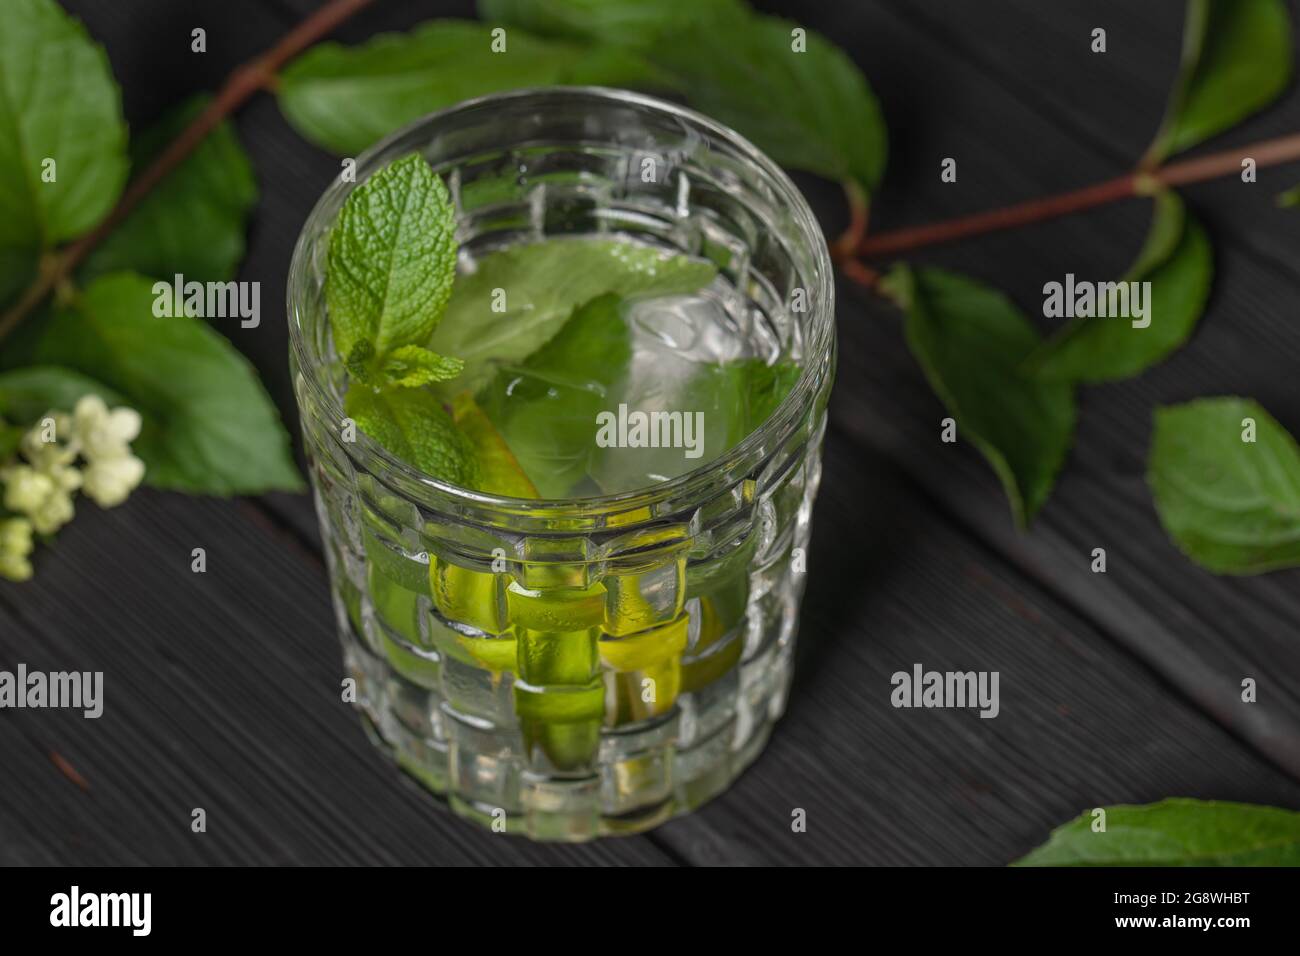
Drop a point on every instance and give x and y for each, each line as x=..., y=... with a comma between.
x=1123, y=687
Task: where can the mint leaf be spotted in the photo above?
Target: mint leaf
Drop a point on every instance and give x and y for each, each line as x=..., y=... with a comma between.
x=412, y=425
x=1236, y=60
x=411, y=366
x=543, y=283
x=1232, y=506
x=28, y=393
x=392, y=259
x=633, y=23
x=1176, y=832
x=58, y=102
x=345, y=98
x=1178, y=262
x=972, y=342
x=209, y=428
x=810, y=110
x=765, y=388
x=546, y=406
x=17, y=269
x=193, y=221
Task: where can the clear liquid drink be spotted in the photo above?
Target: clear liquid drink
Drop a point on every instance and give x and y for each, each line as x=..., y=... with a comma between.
x=616, y=649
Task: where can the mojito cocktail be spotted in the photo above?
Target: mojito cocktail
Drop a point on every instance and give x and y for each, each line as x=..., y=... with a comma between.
x=566, y=528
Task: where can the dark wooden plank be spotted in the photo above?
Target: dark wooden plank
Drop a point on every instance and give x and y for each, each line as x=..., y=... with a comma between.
x=31, y=777
x=222, y=692
x=892, y=583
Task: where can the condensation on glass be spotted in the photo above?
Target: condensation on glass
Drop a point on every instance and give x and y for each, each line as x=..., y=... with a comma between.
x=676, y=607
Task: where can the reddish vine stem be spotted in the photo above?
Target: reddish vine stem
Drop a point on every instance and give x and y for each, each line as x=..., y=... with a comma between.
x=1265, y=153
x=852, y=237
x=242, y=83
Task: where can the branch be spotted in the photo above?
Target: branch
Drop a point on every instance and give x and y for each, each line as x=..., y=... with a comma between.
x=244, y=81
x=1270, y=152
x=857, y=228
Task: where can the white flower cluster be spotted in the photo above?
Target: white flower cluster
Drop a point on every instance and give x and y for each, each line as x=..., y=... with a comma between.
x=38, y=488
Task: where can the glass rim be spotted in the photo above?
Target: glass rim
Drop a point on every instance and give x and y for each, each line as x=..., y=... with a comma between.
x=820, y=342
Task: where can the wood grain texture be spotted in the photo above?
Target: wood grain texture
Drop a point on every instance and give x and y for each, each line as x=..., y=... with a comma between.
x=223, y=688
x=891, y=583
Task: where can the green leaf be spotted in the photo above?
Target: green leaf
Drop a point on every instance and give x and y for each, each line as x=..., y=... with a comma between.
x=209, y=428
x=345, y=98
x=11, y=436
x=28, y=393
x=810, y=110
x=1176, y=832
x=58, y=102
x=765, y=388
x=633, y=23
x=1289, y=199
x=392, y=259
x=543, y=283
x=412, y=366
x=1231, y=505
x=412, y=425
x=1178, y=263
x=193, y=221
x=972, y=342
x=1236, y=60
x=546, y=406
x=499, y=471
x=18, y=265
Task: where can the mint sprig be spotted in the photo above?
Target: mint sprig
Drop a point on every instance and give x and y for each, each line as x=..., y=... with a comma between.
x=391, y=266
x=392, y=262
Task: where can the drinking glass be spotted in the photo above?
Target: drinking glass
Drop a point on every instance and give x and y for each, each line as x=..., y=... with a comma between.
x=573, y=668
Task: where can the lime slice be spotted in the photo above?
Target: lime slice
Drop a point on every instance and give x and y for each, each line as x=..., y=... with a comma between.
x=396, y=606
x=649, y=648
x=476, y=598
x=496, y=653
x=556, y=609
x=549, y=658
x=562, y=721
x=499, y=471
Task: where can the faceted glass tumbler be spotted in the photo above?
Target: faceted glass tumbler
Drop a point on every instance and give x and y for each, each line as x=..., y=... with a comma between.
x=568, y=669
